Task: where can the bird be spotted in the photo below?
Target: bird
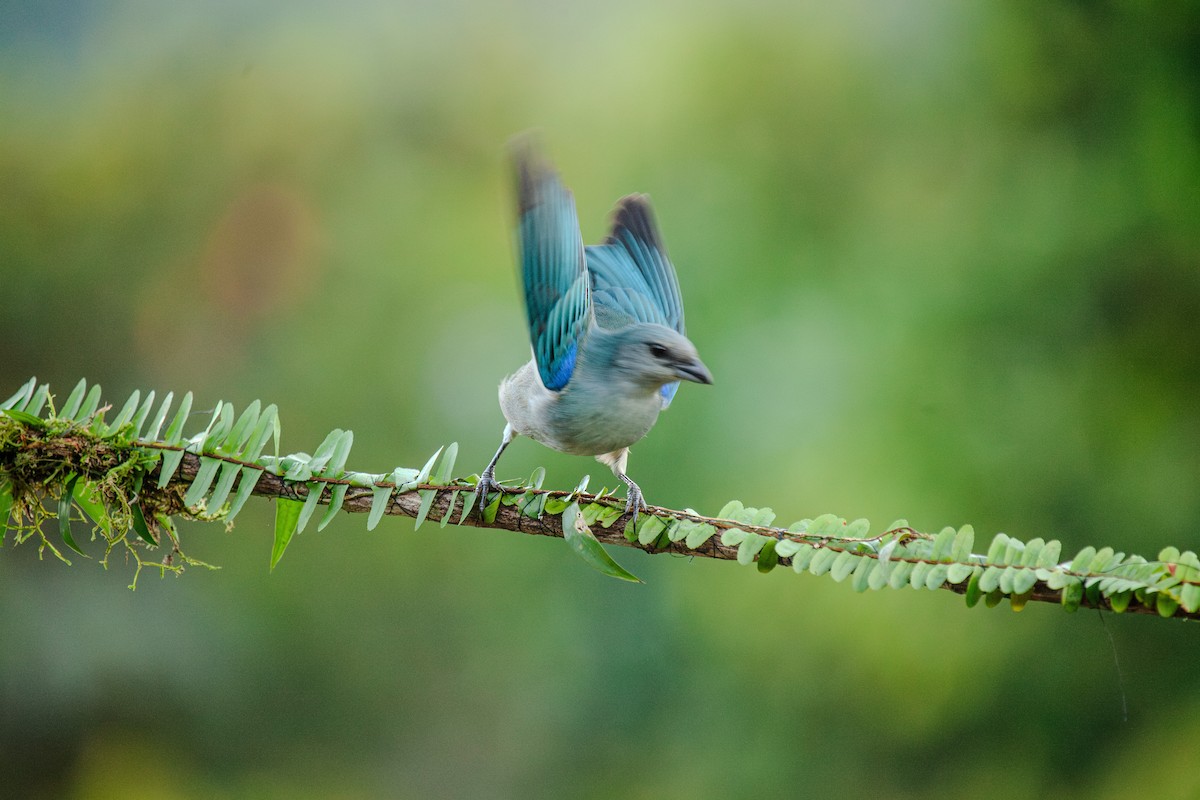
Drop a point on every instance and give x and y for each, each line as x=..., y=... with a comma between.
x=605, y=325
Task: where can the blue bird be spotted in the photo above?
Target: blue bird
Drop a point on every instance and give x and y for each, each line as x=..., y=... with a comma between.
x=606, y=325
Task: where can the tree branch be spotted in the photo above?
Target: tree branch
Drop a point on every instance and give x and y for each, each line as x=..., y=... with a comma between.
x=112, y=471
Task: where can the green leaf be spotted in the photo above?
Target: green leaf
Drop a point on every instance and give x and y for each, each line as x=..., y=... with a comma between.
x=991, y=579
x=731, y=509
x=427, y=498
x=885, y=552
x=159, y=418
x=531, y=504
x=584, y=543
x=74, y=400
x=139, y=419
x=957, y=573
x=1023, y=580
x=1072, y=595
x=648, y=529
x=768, y=558
x=788, y=547
x=733, y=537
x=1050, y=554
x=202, y=481
x=1083, y=560
x=88, y=500
x=995, y=553
x=943, y=543
x=423, y=475
x=445, y=470
x=126, y=413
x=822, y=561
x=973, y=592
x=1120, y=601
x=140, y=527
x=218, y=427
x=445, y=520
x=174, y=433
x=337, y=496
x=38, y=401
x=1166, y=605
x=405, y=479
x=901, y=572
x=749, y=547
x=843, y=565
x=64, y=514
x=861, y=579
x=315, y=490
x=491, y=509
x=1189, y=594
x=937, y=575
x=699, y=535
x=246, y=484
x=287, y=514
x=170, y=463
x=341, y=451
x=324, y=452
x=380, y=496
x=555, y=505
x=1017, y=601
x=857, y=529
x=1033, y=552
x=260, y=433
x=90, y=404
x=803, y=557
x=827, y=526
x=24, y=418
x=761, y=518
x=1168, y=555
x=917, y=579
x=22, y=396
x=229, y=471
x=297, y=467
x=239, y=433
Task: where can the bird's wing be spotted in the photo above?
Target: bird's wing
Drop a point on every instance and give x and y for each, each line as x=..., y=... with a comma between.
x=631, y=273
x=632, y=277
x=553, y=267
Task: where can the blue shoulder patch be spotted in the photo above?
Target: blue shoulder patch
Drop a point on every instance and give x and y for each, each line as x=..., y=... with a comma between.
x=563, y=368
x=668, y=393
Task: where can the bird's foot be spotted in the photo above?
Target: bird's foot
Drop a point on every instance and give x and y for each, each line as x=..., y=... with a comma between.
x=634, y=501
x=487, y=484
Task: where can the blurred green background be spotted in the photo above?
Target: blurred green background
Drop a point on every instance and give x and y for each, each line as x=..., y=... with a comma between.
x=942, y=258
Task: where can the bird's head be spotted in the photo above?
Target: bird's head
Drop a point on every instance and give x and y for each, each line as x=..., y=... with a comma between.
x=654, y=355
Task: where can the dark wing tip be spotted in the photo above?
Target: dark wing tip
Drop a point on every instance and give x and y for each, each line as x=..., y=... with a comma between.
x=634, y=214
x=532, y=169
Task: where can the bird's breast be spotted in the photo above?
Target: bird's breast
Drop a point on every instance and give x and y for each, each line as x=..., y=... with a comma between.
x=588, y=417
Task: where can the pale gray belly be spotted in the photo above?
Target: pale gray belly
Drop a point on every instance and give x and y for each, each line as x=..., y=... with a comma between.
x=584, y=419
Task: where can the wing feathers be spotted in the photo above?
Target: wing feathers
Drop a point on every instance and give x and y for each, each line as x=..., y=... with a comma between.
x=553, y=266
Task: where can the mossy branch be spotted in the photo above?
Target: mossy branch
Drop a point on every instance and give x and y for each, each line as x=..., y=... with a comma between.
x=127, y=482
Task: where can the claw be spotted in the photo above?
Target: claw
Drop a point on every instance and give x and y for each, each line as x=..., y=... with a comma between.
x=634, y=501
x=487, y=483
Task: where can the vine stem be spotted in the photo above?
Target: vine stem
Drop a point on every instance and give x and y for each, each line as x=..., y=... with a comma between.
x=510, y=518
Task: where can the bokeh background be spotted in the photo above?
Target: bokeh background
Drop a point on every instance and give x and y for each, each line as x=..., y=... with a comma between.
x=943, y=259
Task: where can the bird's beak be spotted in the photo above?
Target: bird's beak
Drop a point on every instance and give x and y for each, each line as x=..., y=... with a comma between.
x=693, y=371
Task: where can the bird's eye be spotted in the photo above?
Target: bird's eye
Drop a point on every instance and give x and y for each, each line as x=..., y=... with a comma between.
x=657, y=350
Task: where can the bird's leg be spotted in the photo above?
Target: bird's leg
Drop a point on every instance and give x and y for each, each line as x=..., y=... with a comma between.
x=617, y=461
x=634, y=501
x=487, y=478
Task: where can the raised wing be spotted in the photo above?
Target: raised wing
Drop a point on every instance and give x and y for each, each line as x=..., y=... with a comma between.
x=553, y=266
x=632, y=277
